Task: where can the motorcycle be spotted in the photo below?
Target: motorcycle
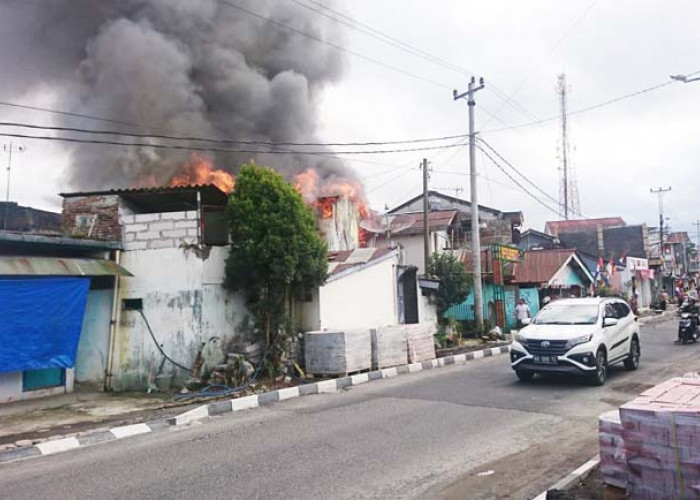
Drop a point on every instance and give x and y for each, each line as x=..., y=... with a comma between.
x=688, y=324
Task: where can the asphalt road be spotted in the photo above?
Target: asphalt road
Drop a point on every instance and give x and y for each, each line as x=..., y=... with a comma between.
x=425, y=435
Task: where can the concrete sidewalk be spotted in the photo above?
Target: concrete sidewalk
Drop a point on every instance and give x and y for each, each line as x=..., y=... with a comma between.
x=78, y=411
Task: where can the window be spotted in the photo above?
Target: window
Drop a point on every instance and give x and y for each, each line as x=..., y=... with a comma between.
x=610, y=311
x=621, y=309
x=570, y=314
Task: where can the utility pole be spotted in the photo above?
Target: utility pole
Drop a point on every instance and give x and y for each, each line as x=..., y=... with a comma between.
x=660, y=193
x=697, y=232
x=476, y=240
x=9, y=149
x=426, y=233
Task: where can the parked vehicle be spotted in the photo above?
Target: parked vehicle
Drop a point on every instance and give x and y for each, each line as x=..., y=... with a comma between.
x=688, y=323
x=578, y=337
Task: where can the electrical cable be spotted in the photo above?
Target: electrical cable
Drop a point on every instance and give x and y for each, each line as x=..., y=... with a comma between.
x=160, y=348
x=221, y=150
x=222, y=140
x=331, y=44
x=405, y=47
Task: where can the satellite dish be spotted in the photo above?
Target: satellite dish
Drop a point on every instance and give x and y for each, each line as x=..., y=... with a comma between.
x=387, y=224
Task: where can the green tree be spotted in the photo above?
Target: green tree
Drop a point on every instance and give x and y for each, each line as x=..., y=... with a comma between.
x=455, y=282
x=276, y=251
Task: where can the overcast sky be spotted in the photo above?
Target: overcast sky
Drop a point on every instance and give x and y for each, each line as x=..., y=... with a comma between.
x=606, y=48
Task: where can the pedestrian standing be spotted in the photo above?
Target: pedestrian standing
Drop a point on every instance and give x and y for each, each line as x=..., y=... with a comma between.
x=663, y=299
x=522, y=312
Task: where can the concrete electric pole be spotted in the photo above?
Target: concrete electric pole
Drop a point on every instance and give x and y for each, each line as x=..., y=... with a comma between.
x=476, y=240
x=426, y=233
x=660, y=193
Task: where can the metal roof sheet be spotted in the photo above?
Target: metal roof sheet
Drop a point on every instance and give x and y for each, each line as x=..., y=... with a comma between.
x=53, y=266
x=539, y=266
x=565, y=226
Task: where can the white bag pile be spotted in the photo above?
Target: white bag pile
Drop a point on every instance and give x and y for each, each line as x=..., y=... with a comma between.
x=337, y=352
x=612, y=449
x=389, y=347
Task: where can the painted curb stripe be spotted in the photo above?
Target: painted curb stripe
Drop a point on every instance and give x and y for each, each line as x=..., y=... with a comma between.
x=572, y=478
x=59, y=445
x=19, y=453
x=245, y=403
x=130, y=430
x=288, y=393
x=361, y=378
x=326, y=386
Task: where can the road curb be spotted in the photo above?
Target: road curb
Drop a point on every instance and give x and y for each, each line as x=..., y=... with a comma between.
x=58, y=444
x=572, y=479
x=326, y=386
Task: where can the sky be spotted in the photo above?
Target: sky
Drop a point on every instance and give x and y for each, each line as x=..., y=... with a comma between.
x=607, y=49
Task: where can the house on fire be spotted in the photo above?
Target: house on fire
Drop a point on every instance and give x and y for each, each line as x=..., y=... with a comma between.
x=148, y=264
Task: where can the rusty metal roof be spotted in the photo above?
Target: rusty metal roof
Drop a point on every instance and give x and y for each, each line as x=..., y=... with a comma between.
x=571, y=226
x=679, y=237
x=349, y=259
x=53, y=266
x=540, y=266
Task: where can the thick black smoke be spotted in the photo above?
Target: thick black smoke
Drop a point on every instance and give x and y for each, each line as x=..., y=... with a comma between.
x=191, y=67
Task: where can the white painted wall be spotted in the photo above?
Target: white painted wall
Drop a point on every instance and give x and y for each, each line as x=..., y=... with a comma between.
x=427, y=311
x=11, y=387
x=364, y=298
x=185, y=303
x=412, y=245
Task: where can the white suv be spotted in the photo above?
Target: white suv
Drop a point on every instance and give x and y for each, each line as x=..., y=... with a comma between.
x=578, y=336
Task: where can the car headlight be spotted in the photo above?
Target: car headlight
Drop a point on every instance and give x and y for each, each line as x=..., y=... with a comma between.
x=578, y=340
x=520, y=339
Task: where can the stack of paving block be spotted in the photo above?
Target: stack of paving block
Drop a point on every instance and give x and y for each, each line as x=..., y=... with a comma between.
x=612, y=449
x=337, y=352
x=421, y=344
x=661, y=432
x=389, y=346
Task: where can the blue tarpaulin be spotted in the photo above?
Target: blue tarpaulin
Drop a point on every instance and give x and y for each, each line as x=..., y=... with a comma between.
x=40, y=322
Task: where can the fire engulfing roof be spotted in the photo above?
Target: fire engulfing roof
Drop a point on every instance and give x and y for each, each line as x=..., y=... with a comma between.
x=163, y=199
x=349, y=259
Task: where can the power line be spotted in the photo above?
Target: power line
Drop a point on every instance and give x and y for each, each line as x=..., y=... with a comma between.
x=405, y=47
x=331, y=44
x=517, y=183
x=221, y=150
x=223, y=140
x=582, y=110
x=533, y=184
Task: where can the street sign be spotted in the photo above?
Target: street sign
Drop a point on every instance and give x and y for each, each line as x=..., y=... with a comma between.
x=508, y=253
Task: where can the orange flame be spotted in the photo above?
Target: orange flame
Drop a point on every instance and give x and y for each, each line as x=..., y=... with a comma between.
x=325, y=206
x=200, y=170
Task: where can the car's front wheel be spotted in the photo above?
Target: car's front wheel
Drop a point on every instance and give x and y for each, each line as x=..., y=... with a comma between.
x=524, y=375
x=632, y=362
x=601, y=371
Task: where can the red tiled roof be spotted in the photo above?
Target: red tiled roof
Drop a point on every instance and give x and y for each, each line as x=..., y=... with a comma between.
x=338, y=260
x=680, y=237
x=571, y=226
x=540, y=266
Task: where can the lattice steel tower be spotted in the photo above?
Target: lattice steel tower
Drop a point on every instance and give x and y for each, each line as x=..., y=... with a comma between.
x=569, y=203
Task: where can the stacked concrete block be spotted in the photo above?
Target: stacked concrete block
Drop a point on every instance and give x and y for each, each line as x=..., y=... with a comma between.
x=389, y=347
x=612, y=449
x=661, y=432
x=159, y=230
x=337, y=352
x=421, y=342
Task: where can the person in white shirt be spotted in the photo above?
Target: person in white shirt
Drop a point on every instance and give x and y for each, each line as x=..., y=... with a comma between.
x=522, y=311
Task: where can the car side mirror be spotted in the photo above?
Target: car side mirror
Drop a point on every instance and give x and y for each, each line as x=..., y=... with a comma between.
x=526, y=321
x=610, y=322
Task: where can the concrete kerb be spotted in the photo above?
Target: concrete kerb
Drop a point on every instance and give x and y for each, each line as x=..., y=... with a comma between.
x=52, y=446
x=327, y=386
x=572, y=478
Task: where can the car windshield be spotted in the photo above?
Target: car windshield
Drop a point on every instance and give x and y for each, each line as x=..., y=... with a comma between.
x=569, y=314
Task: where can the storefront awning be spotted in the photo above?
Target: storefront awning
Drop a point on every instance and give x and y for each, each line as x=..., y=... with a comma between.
x=55, y=266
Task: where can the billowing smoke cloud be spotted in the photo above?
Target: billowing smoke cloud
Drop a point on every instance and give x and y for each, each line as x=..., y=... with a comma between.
x=191, y=67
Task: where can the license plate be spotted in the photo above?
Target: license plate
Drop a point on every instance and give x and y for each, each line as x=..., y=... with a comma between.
x=545, y=360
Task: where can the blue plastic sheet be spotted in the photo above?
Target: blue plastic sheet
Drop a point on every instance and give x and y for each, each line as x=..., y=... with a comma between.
x=40, y=322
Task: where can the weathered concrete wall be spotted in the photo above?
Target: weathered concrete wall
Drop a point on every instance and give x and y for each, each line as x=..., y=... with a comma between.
x=183, y=299
x=91, y=360
x=11, y=387
x=364, y=298
x=412, y=245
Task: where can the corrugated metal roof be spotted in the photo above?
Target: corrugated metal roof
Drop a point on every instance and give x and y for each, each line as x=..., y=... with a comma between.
x=152, y=190
x=539, y=266
x=52, y=266
x=437, y=219
x=348, y=259
x=569, y=226
x=679, y=237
